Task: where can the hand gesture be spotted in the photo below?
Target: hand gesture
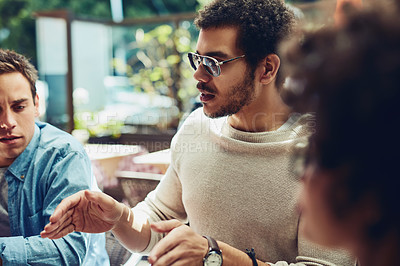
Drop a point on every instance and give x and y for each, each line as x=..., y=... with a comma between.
x=84, y=211
x=181, y=246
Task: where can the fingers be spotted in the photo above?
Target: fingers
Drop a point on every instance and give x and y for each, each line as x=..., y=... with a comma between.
x=177, y=260
x=85, y=211
x=102, y=203
x=170, y=258
x=96, y=196
x=82, y=197
x=184, y=251
x=181, y=244
x=165, y=226
x=60, y=233
x=179, y=257
x=65, y=205
x=60, y=228
x=61, y=219
x=161, y=250
x=64, y=220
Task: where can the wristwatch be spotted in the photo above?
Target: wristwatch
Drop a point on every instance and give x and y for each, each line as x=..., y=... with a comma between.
x=214, y=255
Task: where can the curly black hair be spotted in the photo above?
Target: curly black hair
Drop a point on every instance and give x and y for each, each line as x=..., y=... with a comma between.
x=262, y=24
x=350, y=77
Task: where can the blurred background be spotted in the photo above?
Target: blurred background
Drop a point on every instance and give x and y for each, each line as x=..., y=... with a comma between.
x=115, y=71
x=109, y=70
x=115, y=74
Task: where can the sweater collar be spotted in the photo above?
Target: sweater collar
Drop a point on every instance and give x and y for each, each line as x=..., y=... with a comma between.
x=260, y=137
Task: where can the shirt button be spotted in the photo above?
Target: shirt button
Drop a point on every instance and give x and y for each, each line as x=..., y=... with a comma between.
x=22, y=176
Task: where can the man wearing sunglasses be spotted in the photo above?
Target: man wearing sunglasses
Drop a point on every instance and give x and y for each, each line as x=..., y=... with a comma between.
x=230, y=176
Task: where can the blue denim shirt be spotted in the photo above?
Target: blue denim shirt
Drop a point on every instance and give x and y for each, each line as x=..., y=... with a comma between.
x=53, y=166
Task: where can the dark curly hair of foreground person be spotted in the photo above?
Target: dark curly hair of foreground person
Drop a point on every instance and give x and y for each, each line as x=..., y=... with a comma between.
x=350, y=77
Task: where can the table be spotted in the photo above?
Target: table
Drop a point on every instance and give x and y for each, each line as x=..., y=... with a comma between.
x=160, y=159
x=108, y=156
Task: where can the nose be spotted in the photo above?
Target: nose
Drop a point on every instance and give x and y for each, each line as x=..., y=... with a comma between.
x=201, y=74
x=7, y=120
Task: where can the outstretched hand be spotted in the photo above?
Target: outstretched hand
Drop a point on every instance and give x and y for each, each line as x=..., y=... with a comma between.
x=181, y=246
x=85, y=211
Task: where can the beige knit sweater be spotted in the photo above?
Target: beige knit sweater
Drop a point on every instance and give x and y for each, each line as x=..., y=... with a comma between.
x=237, y=187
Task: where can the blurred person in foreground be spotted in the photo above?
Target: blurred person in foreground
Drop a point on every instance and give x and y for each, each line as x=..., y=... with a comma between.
x=39, y=166
x=230, y=176
x=350, y=76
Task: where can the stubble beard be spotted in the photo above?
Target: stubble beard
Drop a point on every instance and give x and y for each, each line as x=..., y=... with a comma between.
x=240, y=95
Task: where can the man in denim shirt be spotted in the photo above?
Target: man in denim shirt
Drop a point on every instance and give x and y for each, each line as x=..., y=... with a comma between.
x=39, y=166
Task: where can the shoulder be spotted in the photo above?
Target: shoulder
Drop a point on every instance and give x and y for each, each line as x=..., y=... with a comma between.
x=54, y=138
x=197, y=125
x=198, y=122
x=305, y=125
x=195, y=116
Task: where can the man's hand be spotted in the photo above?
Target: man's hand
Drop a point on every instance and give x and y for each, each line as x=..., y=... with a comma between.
x=84, y=211
x=181, y=246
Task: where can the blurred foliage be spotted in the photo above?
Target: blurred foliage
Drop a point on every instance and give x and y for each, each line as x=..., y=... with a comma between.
x=157, y=61
x=18, y=32
x=96, y=127
x=17, y=24
x=146, y=8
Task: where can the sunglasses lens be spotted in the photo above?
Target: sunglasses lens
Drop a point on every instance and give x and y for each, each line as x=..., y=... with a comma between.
x=211, y=66
x=194, y=60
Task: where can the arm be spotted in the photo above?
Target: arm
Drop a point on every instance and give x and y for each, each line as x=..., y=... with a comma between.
x=182, y=246
x=94, y=212
x=235, y=257
x=29, y=247
x=164, y=203
x=19, y=250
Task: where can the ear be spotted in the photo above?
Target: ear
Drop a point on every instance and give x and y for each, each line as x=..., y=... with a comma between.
x=36, y=103
x=270, y=66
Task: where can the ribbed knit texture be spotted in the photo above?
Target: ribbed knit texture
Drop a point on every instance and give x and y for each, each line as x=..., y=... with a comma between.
x=237, y=187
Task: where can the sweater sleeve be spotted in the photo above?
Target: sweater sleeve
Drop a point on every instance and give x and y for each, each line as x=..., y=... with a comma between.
x=164, y=203
x=311, y=254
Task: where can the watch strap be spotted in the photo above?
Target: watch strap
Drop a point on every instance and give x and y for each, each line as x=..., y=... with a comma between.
x=252, y=254
x=212, y=244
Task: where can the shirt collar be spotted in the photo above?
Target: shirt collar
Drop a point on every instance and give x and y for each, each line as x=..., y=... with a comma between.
x=19, y=167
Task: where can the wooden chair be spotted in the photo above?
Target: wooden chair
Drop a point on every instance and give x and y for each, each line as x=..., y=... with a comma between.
x=136, y=185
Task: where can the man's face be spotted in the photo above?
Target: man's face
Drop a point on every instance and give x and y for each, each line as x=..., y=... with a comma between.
x=233, y=89
x=17, y=116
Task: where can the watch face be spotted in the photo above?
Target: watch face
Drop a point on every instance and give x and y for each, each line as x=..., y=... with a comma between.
x=213, y=259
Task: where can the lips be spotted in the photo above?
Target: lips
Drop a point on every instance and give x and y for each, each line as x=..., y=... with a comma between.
x=9, y=139
x=205, y=97
x=206, y=92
